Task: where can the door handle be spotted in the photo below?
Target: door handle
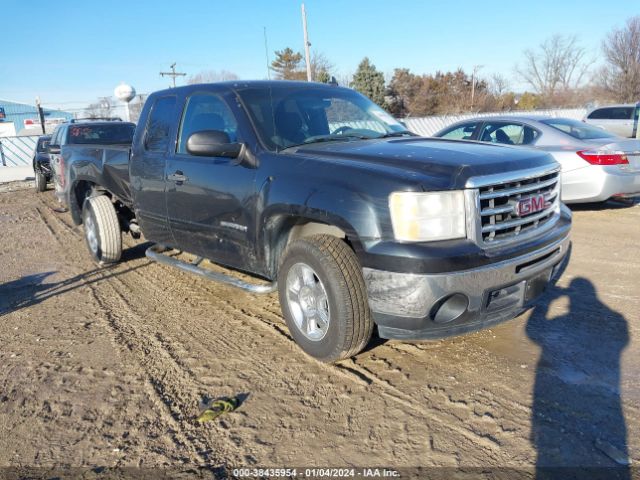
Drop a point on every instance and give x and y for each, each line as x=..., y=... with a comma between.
x=177, y=177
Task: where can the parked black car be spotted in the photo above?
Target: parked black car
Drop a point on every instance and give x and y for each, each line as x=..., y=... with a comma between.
x=41, y=163
x=356, y=222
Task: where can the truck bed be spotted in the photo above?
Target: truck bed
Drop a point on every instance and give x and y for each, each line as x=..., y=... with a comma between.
x=106, y=165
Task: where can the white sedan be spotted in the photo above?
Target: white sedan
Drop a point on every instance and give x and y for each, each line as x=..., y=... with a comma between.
x=596, y=165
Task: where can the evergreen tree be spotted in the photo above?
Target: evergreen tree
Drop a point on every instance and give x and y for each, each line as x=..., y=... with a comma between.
x=323, y=77
x=369, y=81
x=287, y=65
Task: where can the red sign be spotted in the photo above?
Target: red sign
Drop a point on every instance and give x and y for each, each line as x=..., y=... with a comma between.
x=529, y=205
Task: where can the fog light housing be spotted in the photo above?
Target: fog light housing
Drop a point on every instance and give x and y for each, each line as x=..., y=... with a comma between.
x=450, y=308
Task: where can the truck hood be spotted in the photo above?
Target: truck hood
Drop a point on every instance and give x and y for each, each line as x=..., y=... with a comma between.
x=436, y=163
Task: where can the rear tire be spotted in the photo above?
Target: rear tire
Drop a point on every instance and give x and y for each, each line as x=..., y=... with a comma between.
x=102, y=229
x=41, y=182
x=324, y=298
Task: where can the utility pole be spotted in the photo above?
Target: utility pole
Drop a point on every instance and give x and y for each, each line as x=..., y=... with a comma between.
x=306, y=44
x=473, y=82
x=173, y=73
x=40, y=114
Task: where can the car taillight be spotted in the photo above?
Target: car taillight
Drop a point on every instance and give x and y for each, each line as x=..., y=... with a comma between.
x=603, y=158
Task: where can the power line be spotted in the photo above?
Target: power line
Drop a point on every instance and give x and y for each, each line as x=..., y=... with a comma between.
x=173, y=74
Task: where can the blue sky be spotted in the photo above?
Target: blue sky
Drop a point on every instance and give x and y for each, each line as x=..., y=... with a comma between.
x=86, y=48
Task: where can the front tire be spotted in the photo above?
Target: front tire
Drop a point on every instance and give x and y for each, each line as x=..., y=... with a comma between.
x=324, y=298
x=102, y=229
x=41, y=182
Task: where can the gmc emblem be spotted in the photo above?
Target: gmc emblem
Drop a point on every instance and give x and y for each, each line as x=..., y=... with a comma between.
x=529, y=205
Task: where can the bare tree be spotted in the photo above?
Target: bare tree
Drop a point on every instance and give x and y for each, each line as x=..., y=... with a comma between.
x=209, y=76
x=103, y=108
x=621, y=75
x=321, y=67
x=498, y=84
x=556, y=66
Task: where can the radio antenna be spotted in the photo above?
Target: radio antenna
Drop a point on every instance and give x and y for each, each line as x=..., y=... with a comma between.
x=273, y=113
x=266, y=53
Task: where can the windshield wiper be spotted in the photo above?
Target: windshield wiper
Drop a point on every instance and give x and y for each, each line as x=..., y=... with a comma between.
x=398, y=134
x=328, y=138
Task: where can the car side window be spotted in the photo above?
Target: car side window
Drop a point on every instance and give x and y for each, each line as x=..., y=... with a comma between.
x=206, y=111
x=159, y=124
x=612, y=113
x=508, y=133
x=461, y=132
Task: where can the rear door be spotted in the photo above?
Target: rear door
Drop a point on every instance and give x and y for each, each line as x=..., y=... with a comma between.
x=148, y=178
x=209, y=198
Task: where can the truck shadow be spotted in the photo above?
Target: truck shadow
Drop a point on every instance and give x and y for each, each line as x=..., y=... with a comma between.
x=577, y=418
x=608, y=205
x=32, y=289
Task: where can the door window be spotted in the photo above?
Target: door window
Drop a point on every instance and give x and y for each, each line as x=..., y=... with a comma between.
x=462, y=132
x=508, y=133
x=205, y=111
x=159, y=124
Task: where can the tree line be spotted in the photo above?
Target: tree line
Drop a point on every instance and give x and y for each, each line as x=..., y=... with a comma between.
x=558, y=73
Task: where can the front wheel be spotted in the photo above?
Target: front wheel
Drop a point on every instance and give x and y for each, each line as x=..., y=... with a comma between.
x=41, y=182
x=324, y=299
x=102, y=229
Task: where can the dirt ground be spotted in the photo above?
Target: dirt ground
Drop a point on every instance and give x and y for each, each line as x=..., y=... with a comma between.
x=109, y=366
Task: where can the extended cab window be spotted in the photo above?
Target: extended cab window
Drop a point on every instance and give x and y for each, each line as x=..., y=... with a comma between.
x=508, y=133
x=461, y=132
x=159, y=124
x=205, y=111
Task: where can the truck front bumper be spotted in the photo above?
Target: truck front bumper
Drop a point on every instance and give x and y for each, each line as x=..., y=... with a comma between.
x=429, y=306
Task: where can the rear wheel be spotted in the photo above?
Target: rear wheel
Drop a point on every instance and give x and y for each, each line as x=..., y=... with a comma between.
x=324, y=299
x=41, y=182
x=102, y=229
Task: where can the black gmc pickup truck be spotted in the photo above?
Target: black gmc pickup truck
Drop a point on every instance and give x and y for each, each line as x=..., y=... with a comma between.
x=322, y=195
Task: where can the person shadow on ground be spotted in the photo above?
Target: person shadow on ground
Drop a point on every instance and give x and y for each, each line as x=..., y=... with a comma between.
x=577, y=425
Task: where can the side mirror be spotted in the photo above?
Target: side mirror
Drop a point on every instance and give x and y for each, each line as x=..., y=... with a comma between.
x=53, y=149
x=212, y=143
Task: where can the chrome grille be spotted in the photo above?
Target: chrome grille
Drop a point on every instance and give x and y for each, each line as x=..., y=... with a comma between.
x=500, y=220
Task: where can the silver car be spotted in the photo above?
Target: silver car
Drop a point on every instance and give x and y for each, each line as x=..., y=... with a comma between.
x=619, y=119
x=596, y=165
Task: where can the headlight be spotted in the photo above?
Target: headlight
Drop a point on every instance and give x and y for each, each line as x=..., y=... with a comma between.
x=422, y=217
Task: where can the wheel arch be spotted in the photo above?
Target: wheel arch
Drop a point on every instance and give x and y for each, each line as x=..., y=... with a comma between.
x=281, y=230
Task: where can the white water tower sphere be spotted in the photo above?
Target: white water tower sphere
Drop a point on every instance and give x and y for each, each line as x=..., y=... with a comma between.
x=124, y=92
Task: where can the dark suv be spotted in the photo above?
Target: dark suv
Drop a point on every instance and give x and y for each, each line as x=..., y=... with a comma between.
x=41, y=163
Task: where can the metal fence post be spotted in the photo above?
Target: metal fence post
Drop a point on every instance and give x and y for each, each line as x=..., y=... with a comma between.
x=4, y=162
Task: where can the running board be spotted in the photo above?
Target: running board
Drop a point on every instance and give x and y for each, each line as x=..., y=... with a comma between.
x=155, y=253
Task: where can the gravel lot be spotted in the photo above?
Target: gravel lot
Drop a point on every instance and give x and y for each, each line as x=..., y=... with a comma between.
x=109, y=366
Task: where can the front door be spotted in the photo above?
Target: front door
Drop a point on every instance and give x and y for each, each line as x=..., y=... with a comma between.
x=148, y=172
x=209, y=198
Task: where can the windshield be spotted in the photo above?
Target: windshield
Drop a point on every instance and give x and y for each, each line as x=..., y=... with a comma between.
x=286, y=115
x=576, y=129
x=112, y=133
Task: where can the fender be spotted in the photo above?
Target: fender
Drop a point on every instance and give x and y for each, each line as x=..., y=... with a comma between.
x=287, y=204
